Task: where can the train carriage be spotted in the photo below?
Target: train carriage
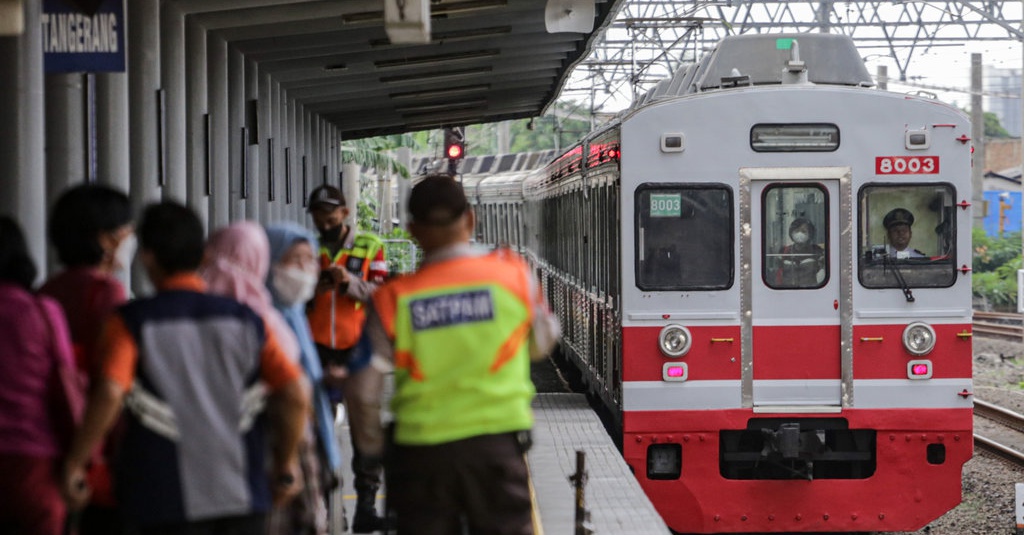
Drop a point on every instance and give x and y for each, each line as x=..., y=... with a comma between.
x=730, y=264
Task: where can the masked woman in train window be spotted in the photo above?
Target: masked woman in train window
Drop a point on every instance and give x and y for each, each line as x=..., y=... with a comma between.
x=802, y=262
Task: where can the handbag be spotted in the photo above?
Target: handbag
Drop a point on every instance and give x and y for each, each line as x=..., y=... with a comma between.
x=65, y=392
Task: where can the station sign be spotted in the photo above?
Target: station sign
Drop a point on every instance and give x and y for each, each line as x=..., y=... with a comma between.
x=83, y=40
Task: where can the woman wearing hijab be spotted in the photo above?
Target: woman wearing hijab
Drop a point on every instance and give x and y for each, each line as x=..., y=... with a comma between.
x=237, y=265
x=292, y=282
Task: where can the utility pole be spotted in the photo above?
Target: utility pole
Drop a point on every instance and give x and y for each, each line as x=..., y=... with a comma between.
x=978, y=135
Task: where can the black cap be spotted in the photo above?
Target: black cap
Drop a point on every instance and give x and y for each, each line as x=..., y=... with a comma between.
x=325, y=194
x=898, y=216
x=437, y=200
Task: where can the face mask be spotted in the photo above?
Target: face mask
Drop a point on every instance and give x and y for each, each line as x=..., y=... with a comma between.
x=293, y=285
x=125, y=252
x=799, y=237
x=332, y=234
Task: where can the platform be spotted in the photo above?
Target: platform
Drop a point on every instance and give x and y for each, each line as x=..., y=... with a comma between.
x=564, y=424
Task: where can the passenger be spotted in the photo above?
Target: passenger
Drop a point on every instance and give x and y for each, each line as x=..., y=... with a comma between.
x=897, y=227
x=461, y=332
x=803, y=261
x=34, y=342
x=292, y=281
x=352, y=266
x=91, y=230
x=236, y=265
x=185, y=363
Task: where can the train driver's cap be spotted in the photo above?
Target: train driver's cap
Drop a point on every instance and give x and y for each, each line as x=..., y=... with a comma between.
x=437, y=200
x=325, y=196
x=898, y=216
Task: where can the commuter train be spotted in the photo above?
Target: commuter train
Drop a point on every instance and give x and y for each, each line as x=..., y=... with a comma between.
x=730, y=264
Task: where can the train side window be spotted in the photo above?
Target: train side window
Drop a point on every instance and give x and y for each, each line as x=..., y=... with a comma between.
x=907, y=235
x=684, y=237
x=795, y=245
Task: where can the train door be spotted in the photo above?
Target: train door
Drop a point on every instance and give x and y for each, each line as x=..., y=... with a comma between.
x=794, y=273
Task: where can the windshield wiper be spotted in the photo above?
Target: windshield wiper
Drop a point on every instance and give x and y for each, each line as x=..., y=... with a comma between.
x=899, y=278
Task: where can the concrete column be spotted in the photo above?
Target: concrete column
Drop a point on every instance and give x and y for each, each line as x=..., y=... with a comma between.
x=335, y=149
x=350, y=188
x=196, y=125
x=143, y=83
x=220, y=134
x=266, y=127
x=66, y=138
x=241, y=177
x=172, y=79
x=282, y=142
x=274, y=165
x=112, y=160
x=287, y=158
x=255, y=206
x=404, y=157
x=22, y=164
x=295, y=136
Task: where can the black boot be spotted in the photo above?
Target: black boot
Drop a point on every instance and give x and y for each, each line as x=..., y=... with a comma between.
x=366, y=519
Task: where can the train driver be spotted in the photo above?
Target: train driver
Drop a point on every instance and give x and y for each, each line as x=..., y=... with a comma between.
x=897, y=225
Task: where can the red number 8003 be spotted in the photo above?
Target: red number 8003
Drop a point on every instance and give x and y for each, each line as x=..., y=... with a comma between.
x=906, y=165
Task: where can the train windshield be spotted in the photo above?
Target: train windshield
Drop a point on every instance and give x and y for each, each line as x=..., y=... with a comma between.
x=795, y=235
x=684, y=237
x=907, y=236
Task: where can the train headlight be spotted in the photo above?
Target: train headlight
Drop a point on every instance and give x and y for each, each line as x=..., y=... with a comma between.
x=674, y=340
x=919, y=338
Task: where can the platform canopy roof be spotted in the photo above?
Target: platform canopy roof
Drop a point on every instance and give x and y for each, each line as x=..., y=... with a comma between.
x=488, y=60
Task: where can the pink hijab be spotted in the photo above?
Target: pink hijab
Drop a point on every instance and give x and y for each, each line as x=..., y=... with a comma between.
x=236, y=265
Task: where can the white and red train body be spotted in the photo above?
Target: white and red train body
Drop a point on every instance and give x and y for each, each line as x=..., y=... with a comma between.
x=760, y=384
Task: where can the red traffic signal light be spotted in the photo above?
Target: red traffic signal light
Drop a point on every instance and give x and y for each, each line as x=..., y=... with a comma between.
x=454, y=143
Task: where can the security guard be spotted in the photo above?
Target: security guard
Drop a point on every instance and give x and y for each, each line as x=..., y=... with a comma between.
x=352, y=265
x=460, y=332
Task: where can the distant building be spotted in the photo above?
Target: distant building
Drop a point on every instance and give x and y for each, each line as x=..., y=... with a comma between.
x=1007, y=82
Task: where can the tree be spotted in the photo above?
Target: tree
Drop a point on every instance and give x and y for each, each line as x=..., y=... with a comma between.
x=996, y=261
x=993, y=128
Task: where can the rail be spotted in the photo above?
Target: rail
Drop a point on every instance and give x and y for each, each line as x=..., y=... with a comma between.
x=1007, y=418
x=999, y=324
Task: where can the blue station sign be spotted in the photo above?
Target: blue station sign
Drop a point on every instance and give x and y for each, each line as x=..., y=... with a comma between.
x=76, y=41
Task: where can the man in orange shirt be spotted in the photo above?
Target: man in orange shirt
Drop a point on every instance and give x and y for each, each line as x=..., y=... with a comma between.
x=190, y=367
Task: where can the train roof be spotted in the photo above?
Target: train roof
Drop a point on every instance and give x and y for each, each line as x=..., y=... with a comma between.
x=761, y=59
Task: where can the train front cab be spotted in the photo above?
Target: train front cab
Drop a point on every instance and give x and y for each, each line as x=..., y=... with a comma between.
x=770, y=386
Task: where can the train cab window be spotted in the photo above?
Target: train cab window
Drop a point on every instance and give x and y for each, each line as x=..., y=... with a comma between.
x=907, y=236
x=684, y=237
x=795, y=237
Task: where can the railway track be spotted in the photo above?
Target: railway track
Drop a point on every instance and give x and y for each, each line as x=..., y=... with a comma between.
x=999, y=324
x=1007, y=418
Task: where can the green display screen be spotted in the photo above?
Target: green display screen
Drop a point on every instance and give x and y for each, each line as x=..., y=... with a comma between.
x=666, y=205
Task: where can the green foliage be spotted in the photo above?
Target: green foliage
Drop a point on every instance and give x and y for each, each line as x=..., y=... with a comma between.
x=996, y=261
x=373, y=152
x=993, y=128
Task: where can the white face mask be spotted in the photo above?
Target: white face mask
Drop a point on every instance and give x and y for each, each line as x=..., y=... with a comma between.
x=799, y=237
x=293, y=285
x=125, y=252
